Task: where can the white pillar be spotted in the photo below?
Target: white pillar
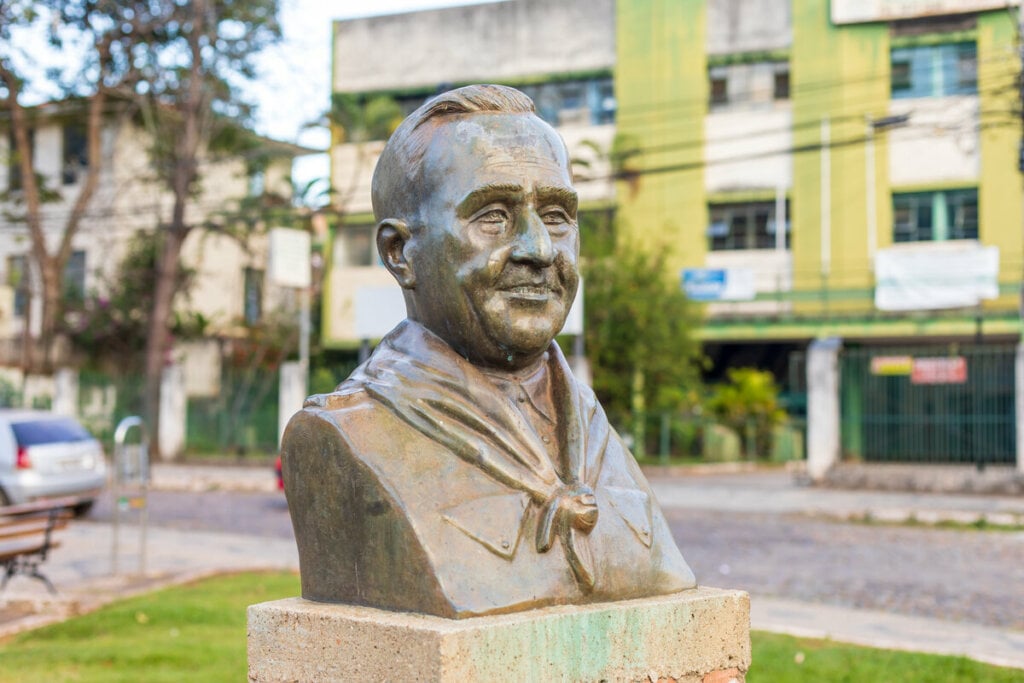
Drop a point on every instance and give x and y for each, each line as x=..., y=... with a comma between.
x=65, y=392
x=173, y=412
x=291, y=394
x=822, y=406
x=1019, y=368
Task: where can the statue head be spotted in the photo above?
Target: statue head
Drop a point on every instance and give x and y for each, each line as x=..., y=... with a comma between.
x=476, y=219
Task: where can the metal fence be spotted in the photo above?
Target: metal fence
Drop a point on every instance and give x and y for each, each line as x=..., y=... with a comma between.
x=932, y=404
x=240, y=419
x=671, y=437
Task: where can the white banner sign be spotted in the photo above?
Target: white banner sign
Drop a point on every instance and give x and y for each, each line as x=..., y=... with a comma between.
x=289, y=258
x=926, y=279
x=859, y=11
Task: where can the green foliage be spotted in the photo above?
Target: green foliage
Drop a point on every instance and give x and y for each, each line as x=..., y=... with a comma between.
x=749, y=404
x=358, y=119
x=110, y=329
x=189, y=633
x=639, y=336
x=784, y=659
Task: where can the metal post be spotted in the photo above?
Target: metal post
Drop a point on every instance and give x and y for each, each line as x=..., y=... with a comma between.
x=870, y=192
x=304, y=332
x=780, y=218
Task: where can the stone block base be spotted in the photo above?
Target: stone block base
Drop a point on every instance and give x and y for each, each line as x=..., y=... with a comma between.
x=698, y=636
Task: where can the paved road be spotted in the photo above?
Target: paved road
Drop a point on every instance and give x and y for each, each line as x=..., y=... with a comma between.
x=238, y=512
x=952, y=575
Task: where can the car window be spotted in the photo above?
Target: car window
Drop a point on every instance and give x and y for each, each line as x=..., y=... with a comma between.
x=39, y=432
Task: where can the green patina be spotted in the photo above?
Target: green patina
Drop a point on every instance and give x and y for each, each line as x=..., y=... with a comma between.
x=754, y=57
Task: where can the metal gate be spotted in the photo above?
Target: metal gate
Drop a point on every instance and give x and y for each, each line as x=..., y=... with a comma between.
x=935, y=404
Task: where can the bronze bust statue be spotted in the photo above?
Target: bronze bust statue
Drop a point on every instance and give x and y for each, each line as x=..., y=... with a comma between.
x=462, y=470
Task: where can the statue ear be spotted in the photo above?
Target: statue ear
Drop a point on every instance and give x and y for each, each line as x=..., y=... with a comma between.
x=392, y=236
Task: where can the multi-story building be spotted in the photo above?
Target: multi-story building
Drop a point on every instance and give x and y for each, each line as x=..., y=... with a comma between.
x=562, y=54
x=815, y=169
x=228, y=284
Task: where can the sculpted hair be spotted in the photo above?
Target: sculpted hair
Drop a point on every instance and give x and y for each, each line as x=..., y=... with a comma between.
x=398, y=169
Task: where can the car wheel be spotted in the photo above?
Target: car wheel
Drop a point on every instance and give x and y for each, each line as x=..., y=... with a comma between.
x=83, y=508
x=4, y=500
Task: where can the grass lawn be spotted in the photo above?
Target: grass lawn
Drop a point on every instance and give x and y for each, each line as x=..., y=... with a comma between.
x=197, y=633
x=784, y=659
x=191, y=633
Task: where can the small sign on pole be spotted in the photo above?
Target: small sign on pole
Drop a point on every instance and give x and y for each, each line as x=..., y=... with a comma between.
x=288, y=264
x=130, y=486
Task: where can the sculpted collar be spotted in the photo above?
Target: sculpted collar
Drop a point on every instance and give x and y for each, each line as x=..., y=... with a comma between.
x=437, y=392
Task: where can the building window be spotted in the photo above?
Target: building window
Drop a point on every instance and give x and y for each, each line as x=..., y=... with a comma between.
x=253, y=296
x=354, y=246
x=748, y=83
x=74, y=276
x=934, y=70
x=718, y=87
x=935, y=216
x=748, y=225
x=14, y=160
x=560, y=103
x=17, y=279
x=257, y=182
x=782, y=83
x=75, y=155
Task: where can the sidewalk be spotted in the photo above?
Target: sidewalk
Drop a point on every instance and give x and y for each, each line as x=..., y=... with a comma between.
x=778, y=492
x=81, y=567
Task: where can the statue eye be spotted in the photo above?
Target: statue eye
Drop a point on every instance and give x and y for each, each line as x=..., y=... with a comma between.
x=492, y=221
x=556, y=219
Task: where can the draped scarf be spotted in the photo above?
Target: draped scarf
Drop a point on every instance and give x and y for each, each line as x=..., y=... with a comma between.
x=443, y=396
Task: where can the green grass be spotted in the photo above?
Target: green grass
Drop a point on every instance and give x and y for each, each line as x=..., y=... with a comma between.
x=980, y=524
x=190, y=633
x=196, y=633
x=784, y=659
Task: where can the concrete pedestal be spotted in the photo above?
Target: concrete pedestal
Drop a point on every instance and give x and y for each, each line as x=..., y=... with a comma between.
x=699, y=636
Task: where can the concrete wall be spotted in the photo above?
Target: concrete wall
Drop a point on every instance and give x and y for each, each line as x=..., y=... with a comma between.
x=939, y=145
x=773, y=272
x=759, y=139
x=488, y=42
x=736, y=26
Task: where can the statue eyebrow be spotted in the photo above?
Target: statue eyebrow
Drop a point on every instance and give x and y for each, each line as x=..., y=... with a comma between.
x=485, y=194
x=556, y=194
x=553, y=194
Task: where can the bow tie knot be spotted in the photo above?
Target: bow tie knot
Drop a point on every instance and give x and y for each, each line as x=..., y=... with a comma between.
x=570, y=509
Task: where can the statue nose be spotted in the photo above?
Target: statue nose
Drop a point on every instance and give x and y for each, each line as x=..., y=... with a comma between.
x=533, y=243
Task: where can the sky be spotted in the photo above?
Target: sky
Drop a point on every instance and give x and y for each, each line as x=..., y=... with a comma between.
x=293, y=88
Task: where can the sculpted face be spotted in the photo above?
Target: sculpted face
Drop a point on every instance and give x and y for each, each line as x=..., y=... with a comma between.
x=494, y=256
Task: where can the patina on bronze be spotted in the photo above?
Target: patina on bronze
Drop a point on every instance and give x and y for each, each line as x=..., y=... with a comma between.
x=462, y=470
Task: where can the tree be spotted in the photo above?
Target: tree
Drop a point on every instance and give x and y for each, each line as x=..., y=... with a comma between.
x=109, y=33
x=639, y=338
x=109, y=327
x=189, y=96
x=749, y=404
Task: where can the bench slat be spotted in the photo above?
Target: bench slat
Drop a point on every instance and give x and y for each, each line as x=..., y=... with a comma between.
x=11, y=549
x=31, y=527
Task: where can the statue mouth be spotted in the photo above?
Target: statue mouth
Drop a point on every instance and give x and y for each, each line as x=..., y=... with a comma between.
x=530, y=292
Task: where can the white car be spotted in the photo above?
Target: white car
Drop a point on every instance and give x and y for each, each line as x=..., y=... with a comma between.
x=45, y=455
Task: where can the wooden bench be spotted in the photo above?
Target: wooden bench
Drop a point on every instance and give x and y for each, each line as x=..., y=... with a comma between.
x=27, y=536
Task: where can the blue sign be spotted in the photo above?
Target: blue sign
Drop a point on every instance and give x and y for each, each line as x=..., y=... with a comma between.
x=704, y=284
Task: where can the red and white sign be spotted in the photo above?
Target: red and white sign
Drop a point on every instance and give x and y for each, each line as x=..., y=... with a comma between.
x=939, y=370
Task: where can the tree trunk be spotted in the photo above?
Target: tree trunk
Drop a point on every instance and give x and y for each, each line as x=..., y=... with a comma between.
x=158, y=339
x=50, y=274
